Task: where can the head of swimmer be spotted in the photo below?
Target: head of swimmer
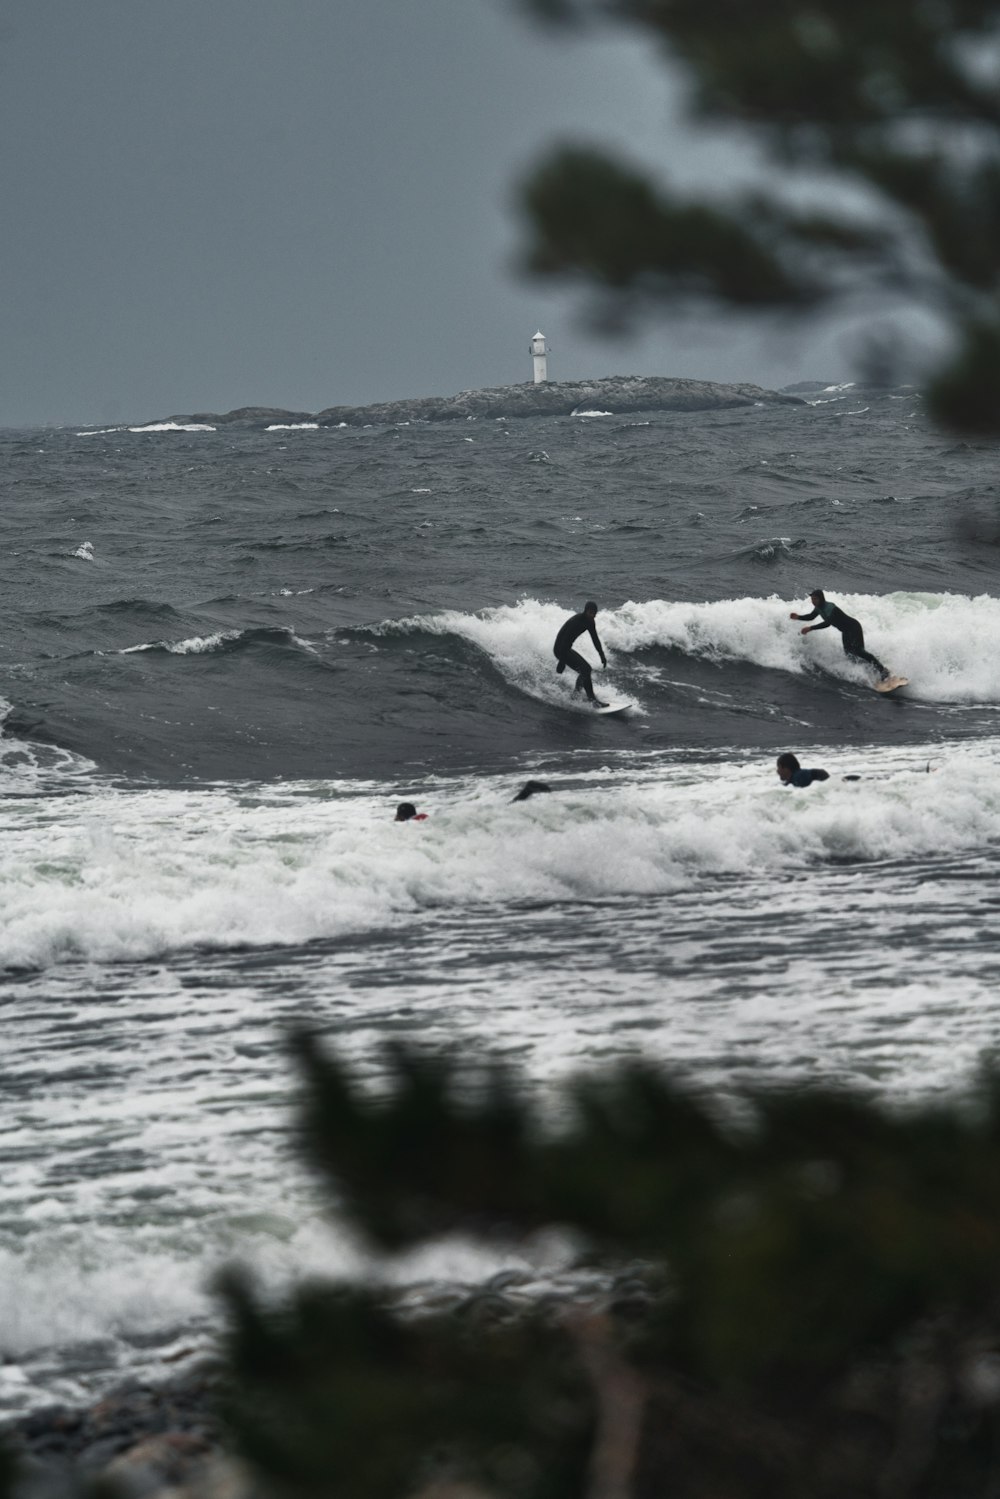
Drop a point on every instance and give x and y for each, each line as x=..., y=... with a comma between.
x=786, y=767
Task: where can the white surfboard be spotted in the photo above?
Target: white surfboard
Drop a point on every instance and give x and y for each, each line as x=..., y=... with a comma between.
x=621, y=706
x=890, y=684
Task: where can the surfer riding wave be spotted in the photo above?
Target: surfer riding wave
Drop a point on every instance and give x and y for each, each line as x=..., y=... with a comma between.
x=566, y=656
x=850, y=629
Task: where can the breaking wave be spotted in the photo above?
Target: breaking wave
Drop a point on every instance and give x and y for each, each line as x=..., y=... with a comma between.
x=138, y=875
x=937, y=640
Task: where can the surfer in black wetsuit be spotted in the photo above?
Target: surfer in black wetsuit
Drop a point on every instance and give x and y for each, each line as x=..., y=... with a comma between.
x=567, y=656
x=530, y=789
x=851, y=631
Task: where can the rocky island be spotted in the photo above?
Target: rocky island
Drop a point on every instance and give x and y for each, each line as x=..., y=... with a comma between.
x=615, y=393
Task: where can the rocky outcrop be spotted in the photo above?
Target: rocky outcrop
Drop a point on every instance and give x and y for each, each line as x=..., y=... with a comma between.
x=617, y=393
x=247, y=416
x=143, y=1439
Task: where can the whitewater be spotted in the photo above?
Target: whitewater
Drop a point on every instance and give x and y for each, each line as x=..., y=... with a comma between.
x=227, y=654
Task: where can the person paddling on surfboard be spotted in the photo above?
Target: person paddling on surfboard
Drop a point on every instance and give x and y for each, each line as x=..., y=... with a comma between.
x=851, y=631
x=566, y=656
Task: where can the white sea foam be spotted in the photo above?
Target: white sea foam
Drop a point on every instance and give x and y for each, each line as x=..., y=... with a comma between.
x=120, y=1289
x=197, y=645
x=174, y=427
x=293, y=427
x=133, y=875
x=831, y=393
x=139, y=1299
x=85, y=551
x=25, y=766
x=201, y=645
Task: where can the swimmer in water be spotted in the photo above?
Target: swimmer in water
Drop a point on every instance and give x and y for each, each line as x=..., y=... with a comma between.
x=791, y=773
x=529, y=789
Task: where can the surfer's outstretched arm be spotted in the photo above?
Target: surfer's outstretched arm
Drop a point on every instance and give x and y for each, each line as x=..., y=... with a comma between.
x=824, y=626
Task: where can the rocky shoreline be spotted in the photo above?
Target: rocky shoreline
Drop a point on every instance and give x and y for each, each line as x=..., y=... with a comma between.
x=897, y=1420
x=142, y=1438
x=166, y=1440
x=617, y=394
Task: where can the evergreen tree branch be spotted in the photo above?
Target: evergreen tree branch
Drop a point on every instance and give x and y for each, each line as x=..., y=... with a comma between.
x=899, y=98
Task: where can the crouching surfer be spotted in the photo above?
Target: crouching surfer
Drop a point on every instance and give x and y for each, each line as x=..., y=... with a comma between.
x=566, y=656
x=851, y=632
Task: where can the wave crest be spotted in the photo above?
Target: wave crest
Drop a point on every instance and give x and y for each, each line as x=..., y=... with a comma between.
x=937, y=640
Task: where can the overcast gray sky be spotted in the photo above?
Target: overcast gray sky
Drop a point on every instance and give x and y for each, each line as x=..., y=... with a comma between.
x=216, y=203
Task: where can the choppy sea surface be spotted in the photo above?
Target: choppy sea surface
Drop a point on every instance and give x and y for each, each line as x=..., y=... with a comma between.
x=226, y=655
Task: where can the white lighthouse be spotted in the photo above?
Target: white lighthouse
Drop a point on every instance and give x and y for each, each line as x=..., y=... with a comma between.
x=538, y=352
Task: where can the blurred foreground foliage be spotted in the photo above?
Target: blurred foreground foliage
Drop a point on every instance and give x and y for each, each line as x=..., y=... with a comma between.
x=801, y=1298
x=890, y=107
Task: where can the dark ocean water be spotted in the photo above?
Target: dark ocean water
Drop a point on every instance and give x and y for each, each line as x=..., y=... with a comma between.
x=300, y=603
x=226, y=655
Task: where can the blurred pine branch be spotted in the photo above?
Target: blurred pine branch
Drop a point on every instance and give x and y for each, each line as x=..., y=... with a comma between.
x=817, y=1313
x=891, y=108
